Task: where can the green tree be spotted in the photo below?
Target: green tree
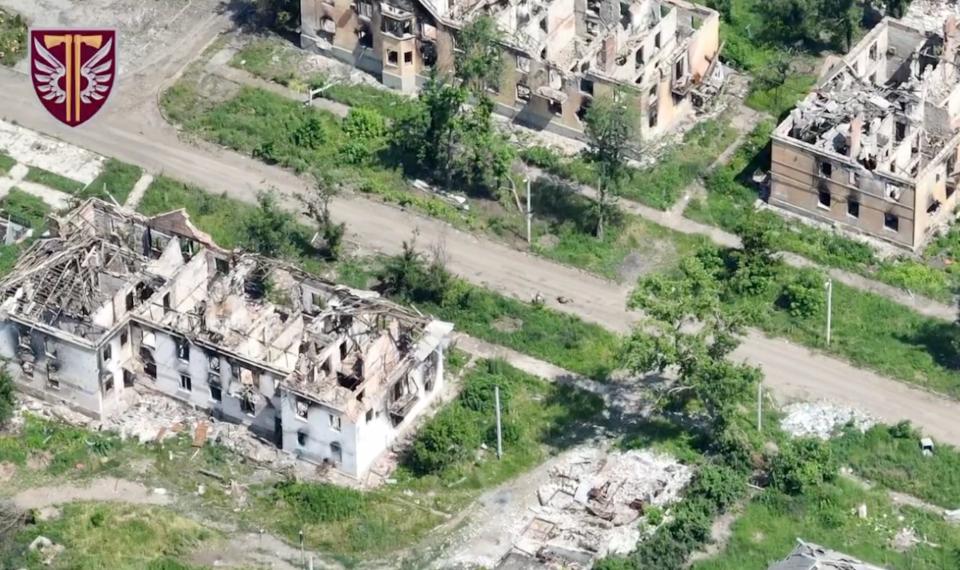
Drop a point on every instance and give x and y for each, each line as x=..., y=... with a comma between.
x=896, y=8
x=487, y=154
x=756, y=261
x=479, y=59
x=429, y=135
x=7, y=397
x=317, y=206
x=694, y=335
x=267, y=229
x=408, y=275
x=609, y=125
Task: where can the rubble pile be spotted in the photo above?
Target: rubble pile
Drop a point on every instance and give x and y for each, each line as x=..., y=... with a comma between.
x=929, y=14
x=822, y=419
x=591, y=504
x=154, y=417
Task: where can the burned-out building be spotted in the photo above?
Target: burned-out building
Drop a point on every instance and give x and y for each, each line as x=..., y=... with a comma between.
x=115, y=300
x=558, y=54
x=874, y=148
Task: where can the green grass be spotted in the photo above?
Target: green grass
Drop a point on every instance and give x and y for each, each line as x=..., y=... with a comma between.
x=115, y=536
x=13, y=37
x=217, y=215
x=556, y=337
x=659, y=186
x=269, y=127
x=544, y=417
x=26, y=209
x=273, y=59
x=771, y=523
x=53, y=180
x=116, y=180
x=870, y=331
x=891, y=458
x=6, y=163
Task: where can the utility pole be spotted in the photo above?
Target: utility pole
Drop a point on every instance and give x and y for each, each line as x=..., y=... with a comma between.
x=302, y=557
x=529, y=213
x=829, y=286
x=496, y=399
x=759, y=406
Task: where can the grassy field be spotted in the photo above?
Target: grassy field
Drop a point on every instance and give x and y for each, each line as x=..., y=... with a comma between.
x=53, y=180
x=116, y=180
x=869, y=331
x=13, y=37
x=771, y=523
x=26, y=209
x=890, y=457
x=115, y=536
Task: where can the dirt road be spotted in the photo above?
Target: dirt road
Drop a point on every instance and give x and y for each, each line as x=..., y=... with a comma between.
x=791, y=371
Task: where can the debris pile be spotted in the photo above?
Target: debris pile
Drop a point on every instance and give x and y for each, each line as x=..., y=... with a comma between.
x=592, y=503
x=154, y=417
x=822, y=419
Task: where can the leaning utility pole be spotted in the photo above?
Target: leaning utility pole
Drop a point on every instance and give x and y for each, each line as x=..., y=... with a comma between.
x=496, y=399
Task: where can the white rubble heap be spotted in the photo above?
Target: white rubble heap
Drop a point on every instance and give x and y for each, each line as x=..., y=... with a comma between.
x=929, y=15
x=822, y=419
x=592, y=503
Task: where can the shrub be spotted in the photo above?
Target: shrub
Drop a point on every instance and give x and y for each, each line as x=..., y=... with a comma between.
x=478, y=391
x=445, y=440
x=654, y=515
x=803, y=296
x=717, y=484
x=7, y=396
x=320, y=501
x=803, y=465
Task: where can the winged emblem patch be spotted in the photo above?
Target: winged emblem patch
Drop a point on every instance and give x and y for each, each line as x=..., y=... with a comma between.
x=73, y=71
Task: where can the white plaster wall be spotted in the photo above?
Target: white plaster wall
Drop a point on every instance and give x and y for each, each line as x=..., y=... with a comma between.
x=319, y=434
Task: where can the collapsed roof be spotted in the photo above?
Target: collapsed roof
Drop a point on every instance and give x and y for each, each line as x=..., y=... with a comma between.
x=887, y=104
x=104, y=261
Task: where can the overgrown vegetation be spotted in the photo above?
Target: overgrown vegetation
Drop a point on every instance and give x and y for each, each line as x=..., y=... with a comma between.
x=115, y=181
x=107, y=535
x=53, y=180
x=730, y=203
x=890, y=456
x=13, y=37
x=658, y=186
x=25, y=209
x=556, y=337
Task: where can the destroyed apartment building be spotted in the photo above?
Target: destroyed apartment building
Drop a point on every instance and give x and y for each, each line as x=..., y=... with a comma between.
x=115, y=300
x=874, y=148
x=557, y=54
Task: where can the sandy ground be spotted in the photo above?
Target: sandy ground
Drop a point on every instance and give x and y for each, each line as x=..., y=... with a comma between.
x=104, y=489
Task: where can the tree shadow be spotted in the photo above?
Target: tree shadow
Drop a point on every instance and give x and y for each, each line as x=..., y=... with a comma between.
x=939, y=339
